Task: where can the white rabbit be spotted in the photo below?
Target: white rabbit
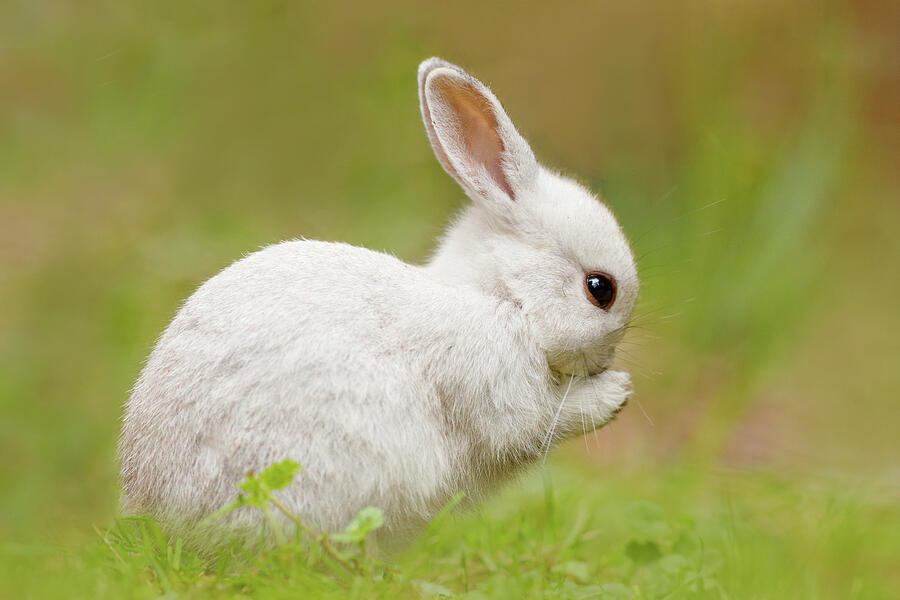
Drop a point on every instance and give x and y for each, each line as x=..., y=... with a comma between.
x=393, y=385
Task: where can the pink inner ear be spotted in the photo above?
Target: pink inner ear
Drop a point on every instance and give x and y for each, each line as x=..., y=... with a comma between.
x=478, y=127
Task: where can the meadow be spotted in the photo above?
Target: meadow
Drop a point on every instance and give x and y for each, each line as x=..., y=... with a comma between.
x=750, y=151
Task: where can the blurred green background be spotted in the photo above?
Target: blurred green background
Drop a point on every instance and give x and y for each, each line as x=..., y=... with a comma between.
x=750, y=150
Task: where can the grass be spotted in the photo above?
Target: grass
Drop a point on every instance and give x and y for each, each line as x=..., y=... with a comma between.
x=745, y=148
x=663, y=533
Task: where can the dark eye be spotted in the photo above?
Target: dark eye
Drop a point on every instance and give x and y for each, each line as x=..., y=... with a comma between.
x=601, y=289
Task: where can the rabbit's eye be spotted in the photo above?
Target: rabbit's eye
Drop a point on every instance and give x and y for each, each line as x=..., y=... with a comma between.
x=601, y=289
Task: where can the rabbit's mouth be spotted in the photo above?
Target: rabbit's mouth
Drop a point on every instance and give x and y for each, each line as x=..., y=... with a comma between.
x=582, y=366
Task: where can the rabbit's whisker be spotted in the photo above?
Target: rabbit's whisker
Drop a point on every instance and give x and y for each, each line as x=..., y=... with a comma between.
x=593, y=422
x=644, y=412
x=548, y=441
x=583, y=428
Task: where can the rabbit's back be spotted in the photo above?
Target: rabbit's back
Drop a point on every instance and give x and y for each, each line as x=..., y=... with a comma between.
x=312, y=351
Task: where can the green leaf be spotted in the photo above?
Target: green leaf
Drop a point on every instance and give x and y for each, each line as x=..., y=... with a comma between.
x=258, y=488
x=368, y=519
x=686, y=544
x=577, y=570
x=257, y=495
x=428, y=589
x=643, y=553
x=646, y=520
x=710, y=561
x=615, y=591
x=279, y=475
x=673, y=564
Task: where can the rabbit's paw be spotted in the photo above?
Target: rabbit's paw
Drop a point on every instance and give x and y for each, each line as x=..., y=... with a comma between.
x=606, y=393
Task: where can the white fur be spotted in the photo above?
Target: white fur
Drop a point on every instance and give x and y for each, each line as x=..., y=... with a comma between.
x=394, y=385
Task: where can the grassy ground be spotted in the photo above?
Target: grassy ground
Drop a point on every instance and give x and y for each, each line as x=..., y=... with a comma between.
x=747, y=149
x=568, y=533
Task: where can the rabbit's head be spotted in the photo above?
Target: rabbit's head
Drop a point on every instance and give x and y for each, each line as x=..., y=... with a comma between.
x=532, y=237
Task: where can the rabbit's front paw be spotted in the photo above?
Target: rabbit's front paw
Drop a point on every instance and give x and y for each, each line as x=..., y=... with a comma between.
x=609, y=391
x=617, y=382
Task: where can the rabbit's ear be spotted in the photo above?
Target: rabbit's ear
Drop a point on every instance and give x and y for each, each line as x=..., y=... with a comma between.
x=472, y=136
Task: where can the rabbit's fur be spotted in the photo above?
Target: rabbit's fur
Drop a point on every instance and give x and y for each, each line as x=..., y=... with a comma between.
x=394, y=385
